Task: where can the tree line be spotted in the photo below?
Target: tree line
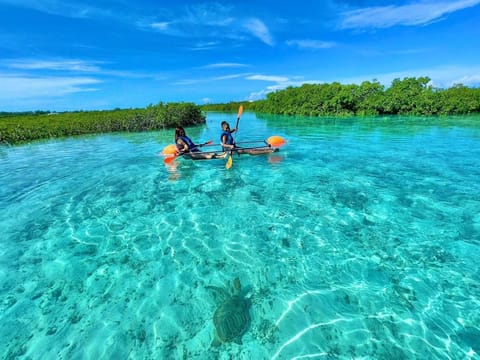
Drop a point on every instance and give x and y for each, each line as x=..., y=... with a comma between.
x=409, y=96
x=16, y=128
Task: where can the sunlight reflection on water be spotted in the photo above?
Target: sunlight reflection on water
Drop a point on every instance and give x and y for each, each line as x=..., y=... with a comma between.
x=360, y=239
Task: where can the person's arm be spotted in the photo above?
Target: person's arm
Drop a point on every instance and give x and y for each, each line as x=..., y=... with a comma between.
x=182, y=146
x=224, y=144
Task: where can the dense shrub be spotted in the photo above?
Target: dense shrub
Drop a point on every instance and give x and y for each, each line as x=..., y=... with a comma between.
x=410, y=96
x=27, y=127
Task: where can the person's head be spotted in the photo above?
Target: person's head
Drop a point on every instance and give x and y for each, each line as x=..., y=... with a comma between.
x=179, y=131
x=225, y=126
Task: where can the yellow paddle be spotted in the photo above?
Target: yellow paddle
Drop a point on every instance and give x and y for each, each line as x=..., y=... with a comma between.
x=229, y=163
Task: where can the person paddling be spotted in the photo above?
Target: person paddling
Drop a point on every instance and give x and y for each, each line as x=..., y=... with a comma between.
x=183, y=142
x=226, y=138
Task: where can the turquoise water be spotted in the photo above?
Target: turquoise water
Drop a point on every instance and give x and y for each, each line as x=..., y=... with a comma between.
x=359, y=239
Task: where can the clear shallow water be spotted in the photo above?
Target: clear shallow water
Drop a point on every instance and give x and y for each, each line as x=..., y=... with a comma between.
x=357, y=240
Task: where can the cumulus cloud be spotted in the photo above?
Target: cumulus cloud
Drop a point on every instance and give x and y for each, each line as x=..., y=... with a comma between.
x=414, y=14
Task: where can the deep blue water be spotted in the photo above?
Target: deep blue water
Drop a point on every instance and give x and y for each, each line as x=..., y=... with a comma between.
x=359, y=239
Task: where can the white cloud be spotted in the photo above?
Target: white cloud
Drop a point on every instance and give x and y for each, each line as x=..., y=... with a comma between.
x=311, y=44
x=69, y=66
x=258, y=29
x=187, y=82
x=468, y=80
x=61, y=8
x=162, y=26
x=212, y=14
x=257, y=95
x=28, y=87
x=191, y=20
x=231, y=76
x=280, y=82
x=63, y=65
x=408, y=15
x=224, y=65
x=205, y=20
x=205, y=45
x=209, y=79
x=268, y=78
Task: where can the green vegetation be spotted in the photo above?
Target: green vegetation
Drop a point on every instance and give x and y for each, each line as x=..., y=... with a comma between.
x=410, y=96
x=38, y=125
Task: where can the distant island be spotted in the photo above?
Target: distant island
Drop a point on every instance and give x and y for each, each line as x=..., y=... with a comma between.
x=410, y=96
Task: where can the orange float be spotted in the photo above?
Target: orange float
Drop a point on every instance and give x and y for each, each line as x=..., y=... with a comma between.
x=276, y=141
x=169, y=150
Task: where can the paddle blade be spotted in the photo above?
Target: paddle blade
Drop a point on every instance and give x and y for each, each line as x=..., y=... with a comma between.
x=240, y=111
x=276, y=141
x=169, y=159
x=169, y=150
x=229, y=163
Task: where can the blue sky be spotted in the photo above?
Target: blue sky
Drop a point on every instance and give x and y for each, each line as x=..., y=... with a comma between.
x=102, y=54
